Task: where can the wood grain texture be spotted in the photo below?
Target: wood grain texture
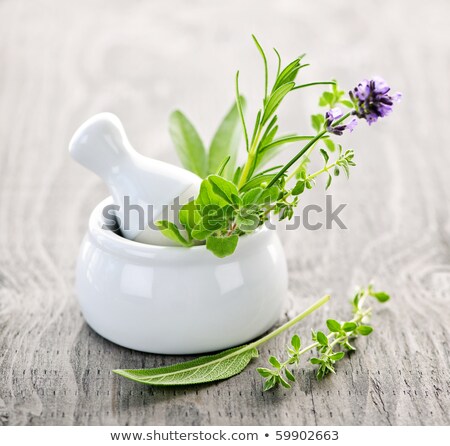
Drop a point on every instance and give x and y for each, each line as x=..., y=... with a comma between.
x=64, y=61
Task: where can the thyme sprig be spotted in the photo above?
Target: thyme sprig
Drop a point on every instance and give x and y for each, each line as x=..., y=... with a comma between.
x=330, y=347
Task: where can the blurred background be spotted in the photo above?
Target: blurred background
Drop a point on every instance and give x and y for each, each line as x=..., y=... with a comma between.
x=63, y=61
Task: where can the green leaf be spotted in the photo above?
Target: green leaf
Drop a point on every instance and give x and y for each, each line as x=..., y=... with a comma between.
x=299, y=188
x=171, y=231
x=364, y=330
x=266, y=70
x=315, y=361
x=270, y=132
x=327, y=99
x=275, y=99
x=270, y=383
x=325, y=155
x=201, y=370
x=189, y=215
x=289, y=375
x=288, y=74
x=265, y=373
x=240, y=110
x=381, y=296
x=347, y=103
x=329, y=180
x=321, y=338
x=296, y=342
x=349, y=326
x=188, y=144
x=330, y=144
x=200, y=232
x=337, y=356
x=279, y=62
x=256, y=127
x=274, y=361
x=284, y=140
x=317, y=122
x=348, y=346
x=207, y=195
x=268, y=196
x=283, y=382
x=237, y=175
x=248, y=220
x=222, y=166
x=222, y=246
x=333, y=325
x=226, y=141
x=224, y=188
x=251, y=197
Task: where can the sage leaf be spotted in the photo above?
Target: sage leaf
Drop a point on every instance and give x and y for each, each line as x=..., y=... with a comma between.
x=201, y=370
x=188, y=144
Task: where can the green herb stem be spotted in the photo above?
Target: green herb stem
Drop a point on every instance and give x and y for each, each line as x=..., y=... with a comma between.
x=319, y=172
x=332, y=335
x=293, y=160
x=288, y=165
x=250, y=158
x=290, y=323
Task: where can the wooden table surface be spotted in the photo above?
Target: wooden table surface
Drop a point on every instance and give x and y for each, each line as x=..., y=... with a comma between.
x=64, y=61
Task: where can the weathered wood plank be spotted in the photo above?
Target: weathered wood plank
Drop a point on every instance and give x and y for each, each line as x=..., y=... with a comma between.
x=63, y=61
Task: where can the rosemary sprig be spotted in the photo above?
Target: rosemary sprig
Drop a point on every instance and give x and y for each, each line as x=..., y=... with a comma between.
x=265, y=127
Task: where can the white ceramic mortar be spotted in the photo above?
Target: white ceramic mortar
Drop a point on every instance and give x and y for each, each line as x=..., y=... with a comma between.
x=176, y=300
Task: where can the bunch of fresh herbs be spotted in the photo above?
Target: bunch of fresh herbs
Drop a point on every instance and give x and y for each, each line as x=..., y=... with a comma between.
x=234, y=201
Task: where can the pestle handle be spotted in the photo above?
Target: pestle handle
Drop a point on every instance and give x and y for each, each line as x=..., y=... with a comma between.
x=101, y=145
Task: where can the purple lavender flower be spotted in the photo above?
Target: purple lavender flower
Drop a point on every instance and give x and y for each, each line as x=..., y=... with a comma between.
x=334, y=114
x=372, y=100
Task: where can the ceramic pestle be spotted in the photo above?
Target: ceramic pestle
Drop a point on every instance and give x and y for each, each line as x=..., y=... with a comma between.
x=143, y=189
